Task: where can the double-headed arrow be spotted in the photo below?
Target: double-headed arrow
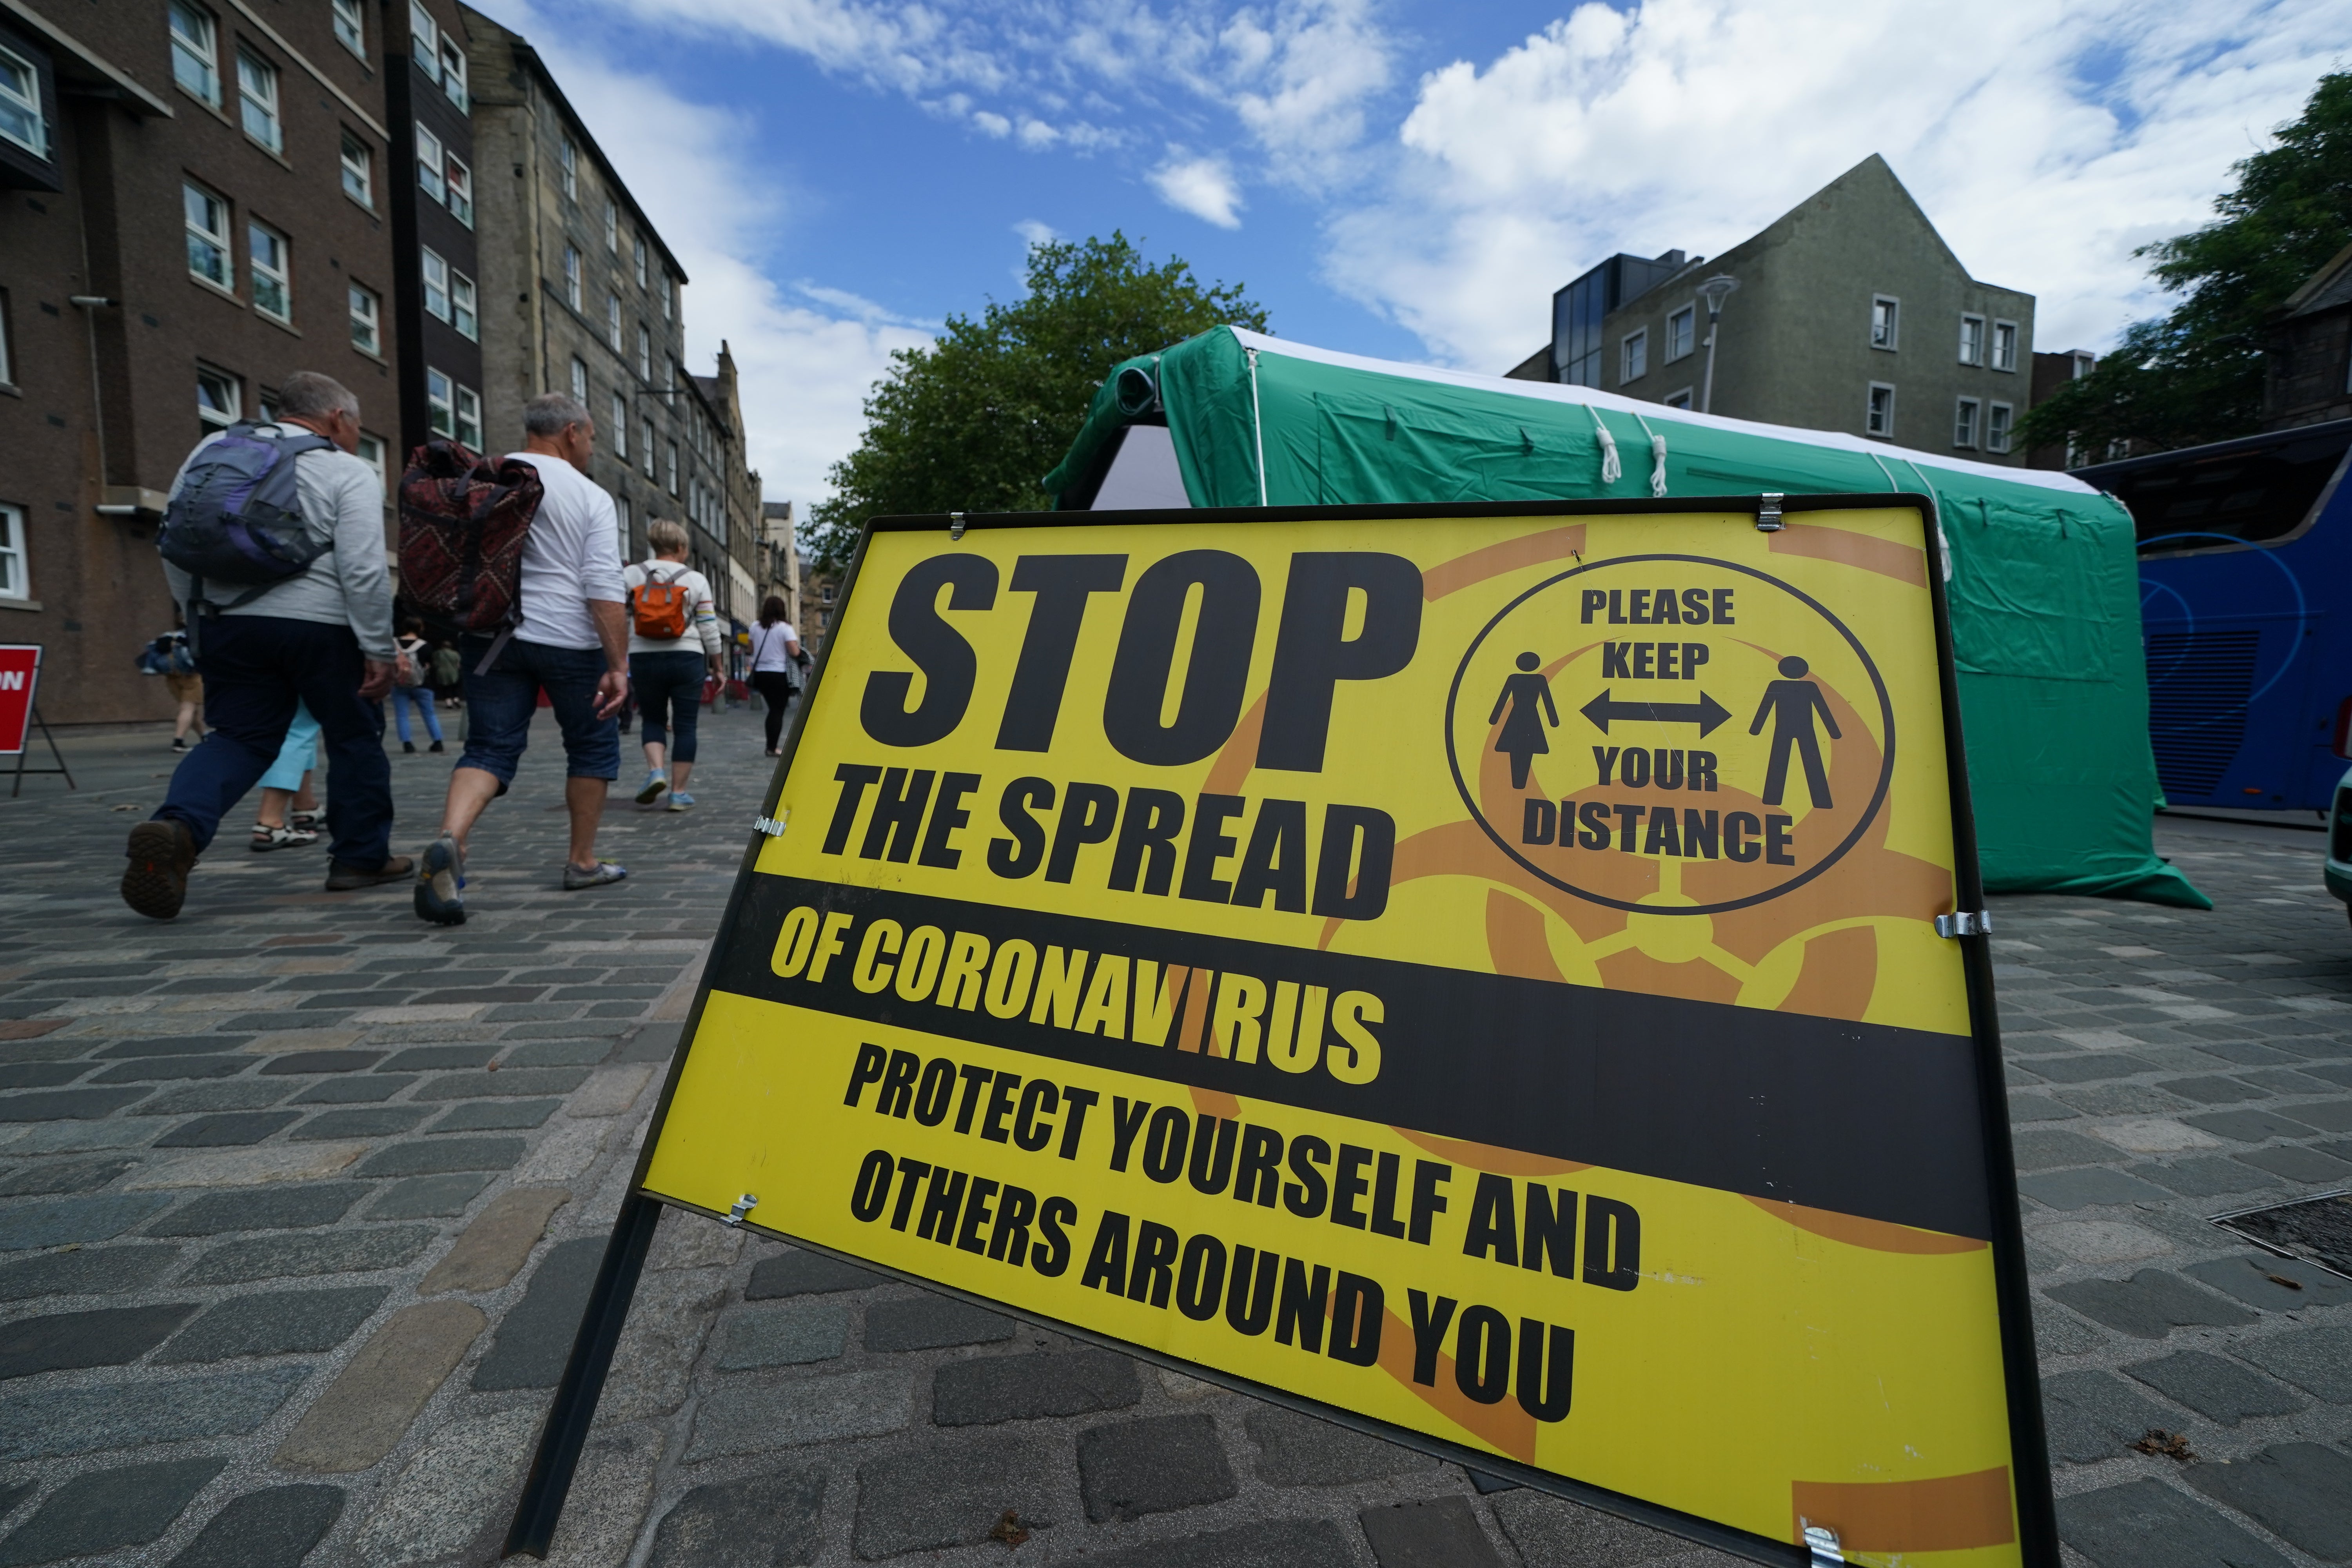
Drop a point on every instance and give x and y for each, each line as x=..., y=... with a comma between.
x=1706, y=713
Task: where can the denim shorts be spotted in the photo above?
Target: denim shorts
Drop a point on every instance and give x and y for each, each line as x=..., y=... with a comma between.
x=499, y=705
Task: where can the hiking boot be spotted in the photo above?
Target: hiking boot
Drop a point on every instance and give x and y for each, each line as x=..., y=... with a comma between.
x=574, y=879
x=345, y=878
x=162, y=855
x=440, y=883
x=655, y=784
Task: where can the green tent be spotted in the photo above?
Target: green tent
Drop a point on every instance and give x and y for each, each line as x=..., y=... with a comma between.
x=2043, y=584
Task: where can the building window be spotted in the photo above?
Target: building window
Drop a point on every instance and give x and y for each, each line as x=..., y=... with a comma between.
x=453, y=73
x=1964, y=421
x=646, y=445
x=644, y=353
x=2004, y=345
x=668, y=302
x=461, y=192
x=1680, y=328
x=367, y=311
x=257, y=100
x=271, y=264
x=2083, y=365
x=469, y=419
x=580, y=380
x=436, y=286
x=1997, y=422
x=7, y=347
x=621, y=429
x=359, y=171
x=571, y=275
x=1879, y=417
x=1884, y=313
x=208, y=219
x=194, y=52
x=613, y=322
x=1634, y=356
x=641, y=259
x=425, y=40
x=441, y=401
x=673, y=467
x=350, y=26
x=612, y=227
x=16, y=580
x=219, y=405
x=462, y=313
x=430, y=160
x=371, y=452
x=1679, y=399
x=21, y=119
x=1972, y=340
x=568, y=160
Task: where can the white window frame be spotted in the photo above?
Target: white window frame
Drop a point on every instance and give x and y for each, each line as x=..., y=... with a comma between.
x=612, y=225
x=1973, y=338
x=350, y=26
x=372, y=453
x=1683, y=345
x=425, y=40
x=2001, y=425
x=266, y=279
x=441, y=403
x=1887, y=328
x=358, y=159
x=647, y=442
x=13, y=104
x=1634, y=355
x=222, y=240
x=469, y=419
x=567, y=158
x=668, y=302
x=613, y=322
x=465, y=307
x=572, y=275
x=433, y=273
x=460, y=181
x=232, y=398
x=644, y=354
x=642, y=248
x=7, y=345
x=2004, y=355
x=620, y=428
x=16, y=552
x=366, y=308
x=198, y=50
x=673, y=467
x=1871, y=424
x=256, y=99
x=580, y=380
x=1681, y=398
x=431, y=159
x=453, y=73
x=2084, y=364
x=1966, y=412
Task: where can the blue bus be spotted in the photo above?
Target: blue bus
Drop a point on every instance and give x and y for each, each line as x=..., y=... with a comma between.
x=2245, y=553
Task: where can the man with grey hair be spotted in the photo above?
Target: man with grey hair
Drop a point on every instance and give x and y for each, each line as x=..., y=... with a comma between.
x=320, y=638
x=573, y=641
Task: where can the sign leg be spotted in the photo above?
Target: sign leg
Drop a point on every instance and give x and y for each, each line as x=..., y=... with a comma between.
x=569, y=1419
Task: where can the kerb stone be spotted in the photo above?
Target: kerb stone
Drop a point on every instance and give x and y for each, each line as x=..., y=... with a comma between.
x=362, y=1413
x=497, y=1243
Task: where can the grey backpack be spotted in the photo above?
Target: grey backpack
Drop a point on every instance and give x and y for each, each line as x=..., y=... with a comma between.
x=237, y=518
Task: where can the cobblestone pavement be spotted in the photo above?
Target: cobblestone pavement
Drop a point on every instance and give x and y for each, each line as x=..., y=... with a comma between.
x=300, y=1200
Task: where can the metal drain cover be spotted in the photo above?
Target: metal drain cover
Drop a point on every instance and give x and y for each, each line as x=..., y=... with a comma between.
x=2317, y=1230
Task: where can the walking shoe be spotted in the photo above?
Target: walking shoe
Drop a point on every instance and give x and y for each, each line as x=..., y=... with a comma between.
x=345, y=878
x=440, y=883
x=179, y=742
x=655, y=784
x=434, y=747
x=267, y=838
x=680, y=801
x=162, y=854
x=574, y=879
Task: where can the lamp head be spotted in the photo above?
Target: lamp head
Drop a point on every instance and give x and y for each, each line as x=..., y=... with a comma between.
x=1714, y=291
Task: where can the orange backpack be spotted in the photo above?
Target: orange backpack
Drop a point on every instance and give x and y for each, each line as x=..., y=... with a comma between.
x=661, y=608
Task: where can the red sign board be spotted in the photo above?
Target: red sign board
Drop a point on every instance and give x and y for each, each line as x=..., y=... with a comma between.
x=20, y=673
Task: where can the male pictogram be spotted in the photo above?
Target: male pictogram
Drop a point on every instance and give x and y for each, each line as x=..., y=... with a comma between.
x=1790, y=704
x=1529, y=697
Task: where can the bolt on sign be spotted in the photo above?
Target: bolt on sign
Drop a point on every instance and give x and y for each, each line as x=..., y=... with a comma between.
x=1472, y=973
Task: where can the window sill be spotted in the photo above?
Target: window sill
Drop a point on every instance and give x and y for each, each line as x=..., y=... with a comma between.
x=264, y=148
x=288, y=328
x=20, y=604
x=10, y=389
x=206, y=104
x=369, y=354
x=367, y=207
x=209, y=287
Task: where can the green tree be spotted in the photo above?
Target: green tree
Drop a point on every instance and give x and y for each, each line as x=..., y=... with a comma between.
x=2196, y=374
x=974, y=421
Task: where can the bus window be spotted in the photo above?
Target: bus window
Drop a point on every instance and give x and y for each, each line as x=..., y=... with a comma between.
x=2258, y=489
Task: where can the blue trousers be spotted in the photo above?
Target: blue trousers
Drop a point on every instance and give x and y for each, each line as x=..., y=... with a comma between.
x=422, y=697
x=256, y=669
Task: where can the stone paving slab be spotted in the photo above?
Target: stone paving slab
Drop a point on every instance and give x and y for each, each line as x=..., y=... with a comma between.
x=298, y=1201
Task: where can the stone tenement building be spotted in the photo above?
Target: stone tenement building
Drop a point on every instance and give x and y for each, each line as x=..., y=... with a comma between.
x=584, y=297
x=1851, y=314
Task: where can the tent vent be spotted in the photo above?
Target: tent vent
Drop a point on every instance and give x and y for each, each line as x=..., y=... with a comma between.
x=2198, y=686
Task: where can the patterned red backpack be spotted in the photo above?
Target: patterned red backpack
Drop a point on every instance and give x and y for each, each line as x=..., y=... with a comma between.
x=463, y=520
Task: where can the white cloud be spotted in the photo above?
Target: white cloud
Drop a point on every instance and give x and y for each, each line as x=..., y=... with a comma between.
x=1201, y=186
x=2044, y=141
x=1034, y=232
x=994, y=124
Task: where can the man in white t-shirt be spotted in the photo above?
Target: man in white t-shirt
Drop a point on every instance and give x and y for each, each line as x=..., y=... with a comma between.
x=573, y=641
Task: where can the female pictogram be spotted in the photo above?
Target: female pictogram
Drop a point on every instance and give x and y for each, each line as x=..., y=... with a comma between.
x=1529, y=697
x=1790, y=704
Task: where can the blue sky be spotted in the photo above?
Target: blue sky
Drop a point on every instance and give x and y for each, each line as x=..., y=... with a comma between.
x=1392, y=177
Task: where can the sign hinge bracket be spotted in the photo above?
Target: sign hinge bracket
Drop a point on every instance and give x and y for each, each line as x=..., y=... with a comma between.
x=955, y=527
x=1966, y=923
x=742, y=1206
x=1822, y=1549
x=1768, y=512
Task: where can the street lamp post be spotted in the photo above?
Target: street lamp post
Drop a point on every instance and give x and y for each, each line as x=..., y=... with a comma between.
x=1713, y=291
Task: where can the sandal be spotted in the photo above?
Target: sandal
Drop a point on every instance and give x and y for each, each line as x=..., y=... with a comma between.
x=266, y=838
x=306, y=822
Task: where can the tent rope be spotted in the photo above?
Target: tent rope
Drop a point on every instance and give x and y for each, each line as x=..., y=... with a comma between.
x=1612, y=469
x=1257, y=427
x=1657, y=457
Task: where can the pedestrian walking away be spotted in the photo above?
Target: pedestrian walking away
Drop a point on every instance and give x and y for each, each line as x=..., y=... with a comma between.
x=448, y=674
x=775, y=667
x=572, y=640
x=311, y=627
x=168, y=657
x=674, y=642
x=410, y=675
